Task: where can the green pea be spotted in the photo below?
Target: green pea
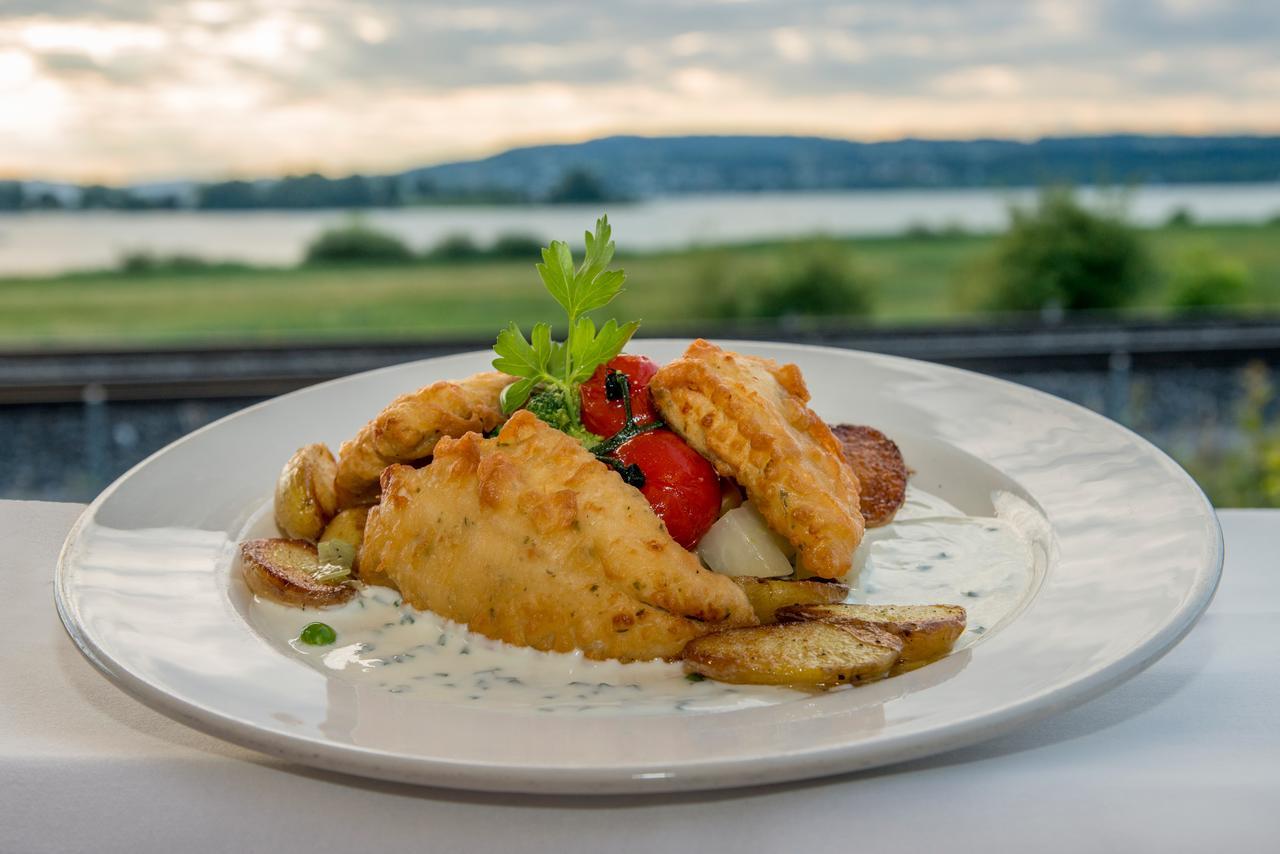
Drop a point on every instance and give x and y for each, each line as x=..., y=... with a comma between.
x=318, y=634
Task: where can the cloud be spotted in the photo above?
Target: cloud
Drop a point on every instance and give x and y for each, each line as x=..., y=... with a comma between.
x=124, y=89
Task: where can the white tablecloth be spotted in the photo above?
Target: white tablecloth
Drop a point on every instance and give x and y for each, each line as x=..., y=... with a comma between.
x=1185, y=757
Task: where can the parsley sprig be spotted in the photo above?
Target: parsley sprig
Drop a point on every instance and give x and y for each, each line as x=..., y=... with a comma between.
x=539, y=360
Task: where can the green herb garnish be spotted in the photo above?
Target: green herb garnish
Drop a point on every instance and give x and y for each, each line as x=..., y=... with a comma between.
x=318, y=634
x=544, y=365
x=550, y=406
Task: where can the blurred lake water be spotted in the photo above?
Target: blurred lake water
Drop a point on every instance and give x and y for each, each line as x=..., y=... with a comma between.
x=53, y=242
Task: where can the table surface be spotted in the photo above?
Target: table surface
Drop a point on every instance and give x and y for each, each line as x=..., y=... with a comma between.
x=1184, y=757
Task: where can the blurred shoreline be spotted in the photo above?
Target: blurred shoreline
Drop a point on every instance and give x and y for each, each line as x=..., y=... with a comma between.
x=53, y=242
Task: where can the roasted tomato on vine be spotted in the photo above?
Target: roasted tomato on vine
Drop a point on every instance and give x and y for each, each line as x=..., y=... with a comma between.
x=682, y=487
x=603, y=412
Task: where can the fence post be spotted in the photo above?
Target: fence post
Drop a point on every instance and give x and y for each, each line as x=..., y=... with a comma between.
x=1119, y=374
x=94, y=397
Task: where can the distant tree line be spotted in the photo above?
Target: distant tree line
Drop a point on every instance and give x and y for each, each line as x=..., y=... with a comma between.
x=620, y=167
x=294, y=192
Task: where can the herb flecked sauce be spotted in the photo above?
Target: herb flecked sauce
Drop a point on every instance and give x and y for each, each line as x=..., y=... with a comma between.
x=931, y=553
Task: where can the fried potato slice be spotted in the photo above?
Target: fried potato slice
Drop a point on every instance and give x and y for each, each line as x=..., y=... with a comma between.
x=749, y=416
x=810, y=655
x=767, y=595
x=409, y=428
x=305, y=498
x=882, y=473
x=348, y=525
x=927, y=632
x=283, y=571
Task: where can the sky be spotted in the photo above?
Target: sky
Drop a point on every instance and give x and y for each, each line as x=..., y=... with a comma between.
x=132, y=90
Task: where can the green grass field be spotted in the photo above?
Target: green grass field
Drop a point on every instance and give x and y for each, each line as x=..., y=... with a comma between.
x=918, y=279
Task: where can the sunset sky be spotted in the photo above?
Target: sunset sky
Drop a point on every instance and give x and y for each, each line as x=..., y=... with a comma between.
x=119, y=90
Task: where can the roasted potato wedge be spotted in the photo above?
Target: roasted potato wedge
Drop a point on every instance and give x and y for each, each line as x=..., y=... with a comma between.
x=767, y=595
x=927, y=631
x=305, y=497
x=348, y=525
x=806, y=655
x=882, y=473
x=283, y=571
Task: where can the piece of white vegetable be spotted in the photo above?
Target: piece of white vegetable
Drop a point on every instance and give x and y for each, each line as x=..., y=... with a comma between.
x=338, y=552
x=740, y=543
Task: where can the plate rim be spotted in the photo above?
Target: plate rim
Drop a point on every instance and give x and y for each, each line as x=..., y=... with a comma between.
x=724, y=773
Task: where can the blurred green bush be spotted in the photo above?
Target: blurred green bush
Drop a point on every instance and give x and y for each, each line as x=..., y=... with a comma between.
x=820, y=279
x=1059, y=255
x=519, y=246
x=356, y=242
x=1203, y=278
x=1244, y=469
x=456, y=247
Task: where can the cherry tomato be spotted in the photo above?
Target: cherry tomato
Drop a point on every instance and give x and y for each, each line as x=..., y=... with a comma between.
x=682, y=487
x=603, y=416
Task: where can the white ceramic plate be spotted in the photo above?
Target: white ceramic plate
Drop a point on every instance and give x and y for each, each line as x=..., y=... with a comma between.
x=1131, y=558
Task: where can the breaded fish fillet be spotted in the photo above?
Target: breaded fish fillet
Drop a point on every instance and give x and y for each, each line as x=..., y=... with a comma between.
x=749, y=417
x=408, y=429
x=528, y=538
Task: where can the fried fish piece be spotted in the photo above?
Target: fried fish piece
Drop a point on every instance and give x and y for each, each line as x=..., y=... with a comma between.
x=409, y=428
x=529, y=539
x=749, y=417
x=881, y=471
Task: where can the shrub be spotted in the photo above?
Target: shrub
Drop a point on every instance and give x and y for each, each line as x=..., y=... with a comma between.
x=517, y=246
x=142, y=262
x=357, y=243
x=820, y=279
x=923, y=231
x=1204, y=279
x=1180, y=218
x=1245, y=473
x=1060, y=255
x=455, y=247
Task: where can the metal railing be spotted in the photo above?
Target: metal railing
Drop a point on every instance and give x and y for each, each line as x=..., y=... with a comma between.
x=258, y=370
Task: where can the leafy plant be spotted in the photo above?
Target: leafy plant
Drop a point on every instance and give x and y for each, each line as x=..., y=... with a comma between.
x=516, y=246
x=455, y=247
x=357, y=242
x=821, y=280
x=1245, y=473
x=1204, y=279
x=1061, y=255
x=542, y=362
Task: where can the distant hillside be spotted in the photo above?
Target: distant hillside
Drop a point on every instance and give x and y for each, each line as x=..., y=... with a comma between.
x=622, y=167
x=645, y=166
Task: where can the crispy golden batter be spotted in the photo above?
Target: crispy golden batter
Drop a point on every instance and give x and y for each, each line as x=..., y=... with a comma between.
x=409, y=428
x=529, y=539
x=748, y=416
x=880, y=469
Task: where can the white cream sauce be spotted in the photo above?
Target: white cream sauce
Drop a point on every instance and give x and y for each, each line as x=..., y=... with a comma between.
x=931, y=553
